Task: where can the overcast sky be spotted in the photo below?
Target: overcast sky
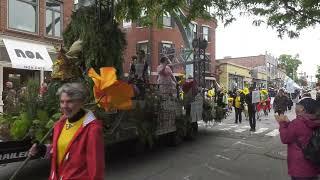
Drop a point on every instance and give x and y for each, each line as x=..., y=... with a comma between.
x=241, y=38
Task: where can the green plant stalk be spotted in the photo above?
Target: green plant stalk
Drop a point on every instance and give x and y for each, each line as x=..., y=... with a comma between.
x=14, y=175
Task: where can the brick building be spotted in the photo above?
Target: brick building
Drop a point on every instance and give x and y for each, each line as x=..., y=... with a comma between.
x=154, y=40
x=259, y=64
x=29, y=30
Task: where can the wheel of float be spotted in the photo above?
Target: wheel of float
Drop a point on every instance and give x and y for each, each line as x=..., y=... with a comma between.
x=139, y=147
x=192, y=131
x=174, y=139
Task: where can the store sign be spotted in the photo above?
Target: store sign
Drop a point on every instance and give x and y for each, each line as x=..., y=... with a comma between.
x=25, y=55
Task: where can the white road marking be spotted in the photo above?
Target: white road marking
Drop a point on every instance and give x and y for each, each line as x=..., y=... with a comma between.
x=223, y=157
x=261, y=130
x=240, y=130
x=273, y=133
x=234, y=126
x=218, y=170
x=187, y=178
x=225, y=129
x=246, y=144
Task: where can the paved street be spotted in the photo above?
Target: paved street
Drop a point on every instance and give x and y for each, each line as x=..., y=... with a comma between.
x=222, y=151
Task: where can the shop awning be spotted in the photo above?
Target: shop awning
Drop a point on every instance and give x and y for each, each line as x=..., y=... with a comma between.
x=26, y=55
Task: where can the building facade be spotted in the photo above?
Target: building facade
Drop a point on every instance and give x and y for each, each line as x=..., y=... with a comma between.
x=158, y=42
x=233, y=76
x=260, y=66
x=30, y=30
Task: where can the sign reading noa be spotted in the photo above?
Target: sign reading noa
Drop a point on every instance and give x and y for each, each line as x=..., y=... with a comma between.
x=29, y=54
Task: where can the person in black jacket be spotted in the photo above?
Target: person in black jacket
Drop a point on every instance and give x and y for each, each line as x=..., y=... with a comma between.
x=251, y=110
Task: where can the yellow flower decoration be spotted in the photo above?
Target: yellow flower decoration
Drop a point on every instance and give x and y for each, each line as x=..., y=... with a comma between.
x=109, y=92
x=245, y=91
x=211, y=93
x=264, y=92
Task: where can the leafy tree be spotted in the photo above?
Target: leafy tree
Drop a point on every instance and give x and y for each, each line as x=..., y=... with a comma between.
x=318, y=73
x=150, y=12
x=286, y=16
x=290, y=64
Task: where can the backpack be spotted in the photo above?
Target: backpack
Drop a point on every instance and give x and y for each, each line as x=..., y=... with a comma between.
x=311, y=151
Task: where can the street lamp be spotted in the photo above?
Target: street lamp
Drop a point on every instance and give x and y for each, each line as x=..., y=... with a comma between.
x=199, y=47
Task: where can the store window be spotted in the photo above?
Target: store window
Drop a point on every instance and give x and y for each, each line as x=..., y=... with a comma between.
x=205, y=33
x=53, y=18
x=235, y=82
x=23, y=15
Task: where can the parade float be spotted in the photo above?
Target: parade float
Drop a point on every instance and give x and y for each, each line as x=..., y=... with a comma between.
x=93, y=55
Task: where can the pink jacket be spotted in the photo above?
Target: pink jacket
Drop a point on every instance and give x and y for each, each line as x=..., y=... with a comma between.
x=300, y=129
x=84, y=159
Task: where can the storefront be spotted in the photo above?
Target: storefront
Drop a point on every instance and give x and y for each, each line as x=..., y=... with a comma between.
x=233, y=76
x=21, y=60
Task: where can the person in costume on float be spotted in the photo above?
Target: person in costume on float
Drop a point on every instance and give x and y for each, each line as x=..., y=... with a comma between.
x=77, y=149
x=167, y=82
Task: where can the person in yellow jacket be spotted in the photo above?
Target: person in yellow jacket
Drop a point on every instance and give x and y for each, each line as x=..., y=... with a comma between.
x=238, y=103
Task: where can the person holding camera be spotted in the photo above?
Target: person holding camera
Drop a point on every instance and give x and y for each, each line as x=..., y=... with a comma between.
x=296, y=134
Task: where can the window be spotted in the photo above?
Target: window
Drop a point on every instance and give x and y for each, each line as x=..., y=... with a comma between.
x=145, y=47
x=126, y=24
x=166, y=49
x=23, y=15
x=208, y=63
x=194, y=31
x=205, y=33
x=142, y=46
x=75, y=5
x=167, y=20
x=53, y=18
x=140, y=20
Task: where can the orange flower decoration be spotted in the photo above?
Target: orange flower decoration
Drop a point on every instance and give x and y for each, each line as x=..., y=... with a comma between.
x=110, y=92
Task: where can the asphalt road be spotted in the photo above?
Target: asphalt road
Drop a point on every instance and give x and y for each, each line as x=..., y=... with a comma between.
x=225, y=151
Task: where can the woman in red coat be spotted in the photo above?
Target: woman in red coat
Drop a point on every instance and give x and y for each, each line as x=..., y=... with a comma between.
x=296, y=134
x=77, y=149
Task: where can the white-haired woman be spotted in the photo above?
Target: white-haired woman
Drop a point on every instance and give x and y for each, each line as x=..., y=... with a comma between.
x=77, y=149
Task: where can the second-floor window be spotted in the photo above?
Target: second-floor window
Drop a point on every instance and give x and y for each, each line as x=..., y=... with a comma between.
x=140, y=19
x=23, y=15
x=194, y=31
x=206, y=33
x=208, y=63
x=167, y=20
x=53, y=18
